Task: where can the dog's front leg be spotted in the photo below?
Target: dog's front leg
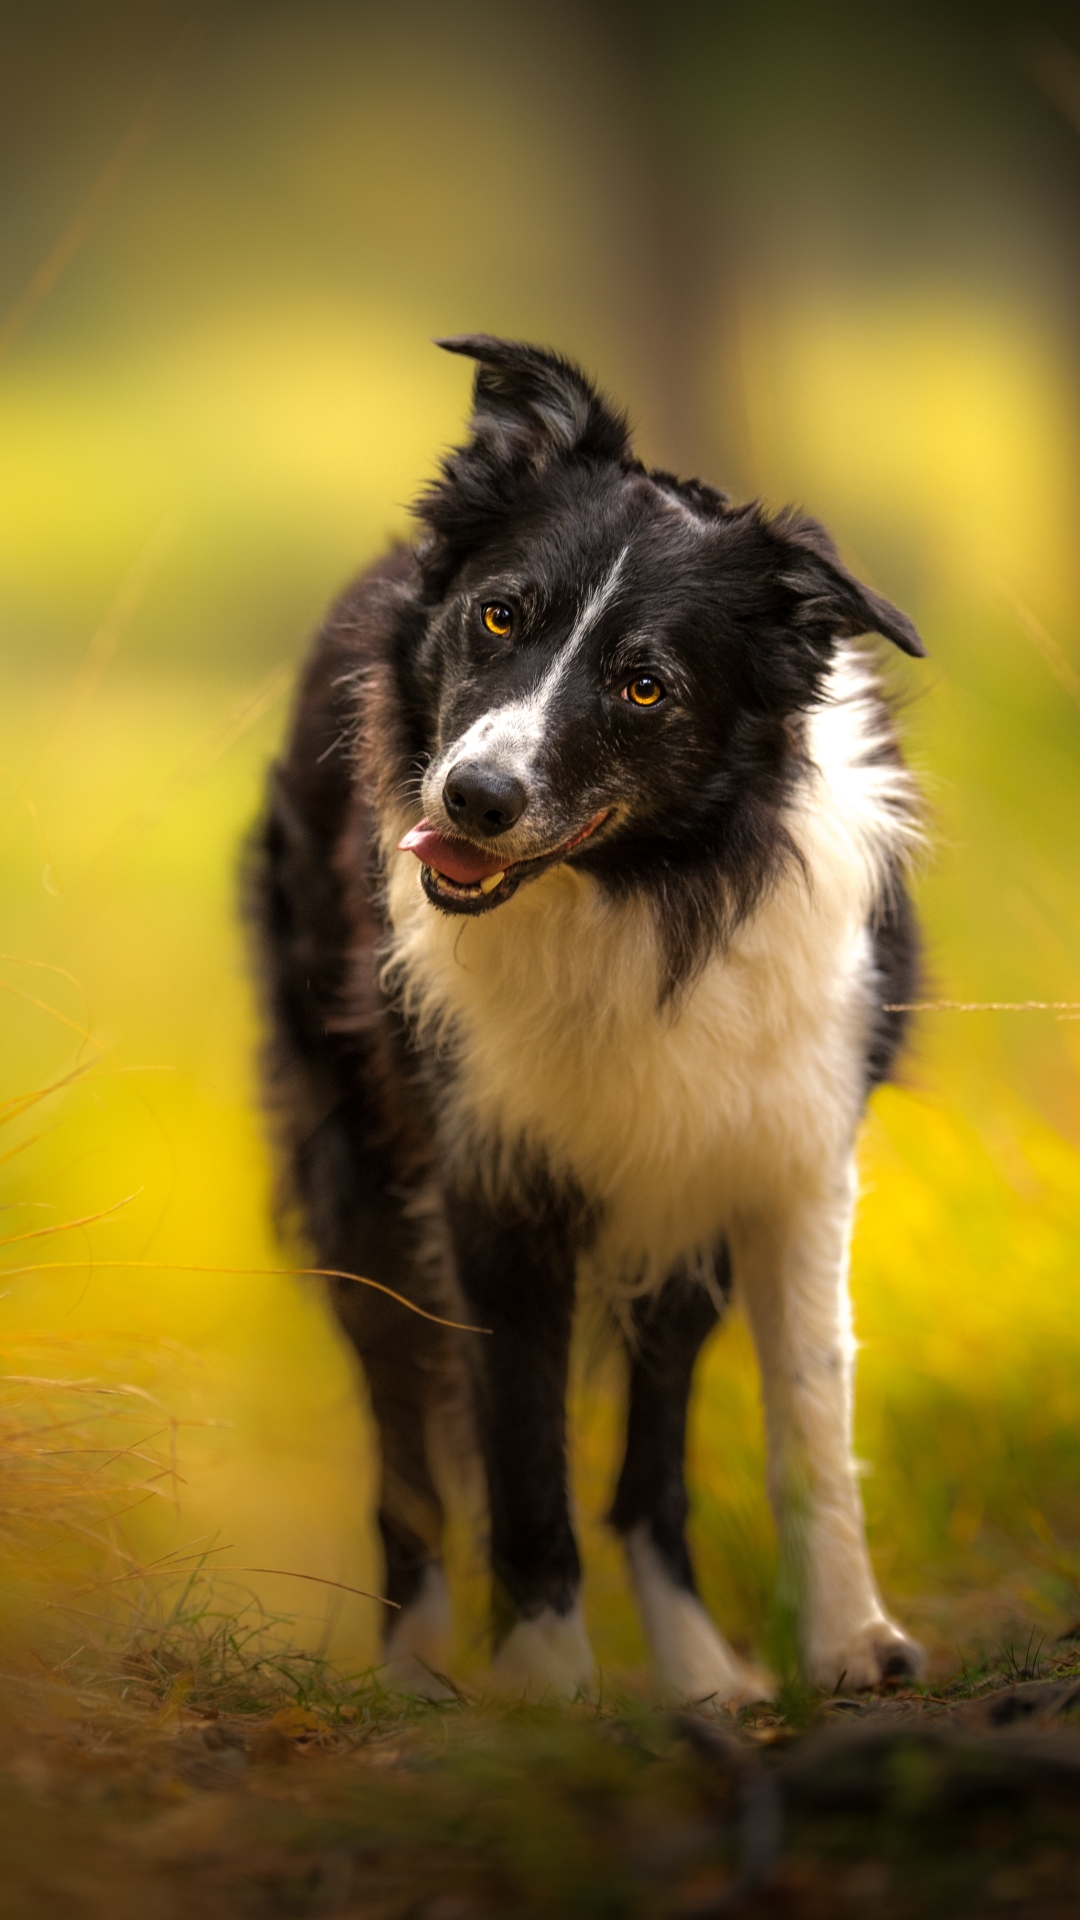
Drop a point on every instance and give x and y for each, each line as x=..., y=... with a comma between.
x=791, y=1263
x=516, y=1269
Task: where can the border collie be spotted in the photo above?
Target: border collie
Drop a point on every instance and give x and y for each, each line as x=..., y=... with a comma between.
x=582, y=927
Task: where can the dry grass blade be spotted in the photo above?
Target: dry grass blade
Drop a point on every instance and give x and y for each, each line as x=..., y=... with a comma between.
x=69, y=1226
x=44, y=1007
x=70, y=1463
x=118, y=617
x=285, y=1273
x=283, y=1573
x=69, y=1467
x=1056, y=659
x=288, y=1573
x=982, y=1006
x=203, y=754
x=19, y=1103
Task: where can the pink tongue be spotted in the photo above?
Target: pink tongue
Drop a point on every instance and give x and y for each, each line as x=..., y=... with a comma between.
x=457, y=859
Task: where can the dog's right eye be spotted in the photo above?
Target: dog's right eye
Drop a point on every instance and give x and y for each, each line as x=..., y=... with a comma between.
x=645, y=691
x=497, y=619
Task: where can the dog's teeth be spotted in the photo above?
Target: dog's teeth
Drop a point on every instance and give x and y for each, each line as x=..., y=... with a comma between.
x=493, y=880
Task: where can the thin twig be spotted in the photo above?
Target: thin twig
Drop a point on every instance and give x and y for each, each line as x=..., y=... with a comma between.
x=982, y=1006
x=288, y=1273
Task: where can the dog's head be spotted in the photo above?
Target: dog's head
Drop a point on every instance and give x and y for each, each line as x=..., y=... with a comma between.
x=614, y=663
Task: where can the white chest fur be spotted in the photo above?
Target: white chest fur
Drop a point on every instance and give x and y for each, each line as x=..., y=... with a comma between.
x=668, y=1121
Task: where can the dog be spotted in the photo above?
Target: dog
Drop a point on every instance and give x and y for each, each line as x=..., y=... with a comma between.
x=584, y=937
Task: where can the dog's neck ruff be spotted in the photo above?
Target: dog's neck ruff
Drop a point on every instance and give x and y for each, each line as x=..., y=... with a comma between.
x=548, y=1014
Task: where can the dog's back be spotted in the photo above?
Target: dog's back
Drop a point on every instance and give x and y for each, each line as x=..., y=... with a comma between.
x=622, y=1009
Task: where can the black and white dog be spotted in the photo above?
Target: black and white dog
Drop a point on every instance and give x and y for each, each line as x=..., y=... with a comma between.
x=582, y=910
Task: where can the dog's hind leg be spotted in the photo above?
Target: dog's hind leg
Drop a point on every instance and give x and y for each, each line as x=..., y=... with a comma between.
x=517, y=1270
x=669, y=1328
x=356, y=1151
x=363, y=1225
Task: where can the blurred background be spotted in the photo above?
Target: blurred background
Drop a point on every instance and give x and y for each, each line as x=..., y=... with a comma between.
x=824, y=255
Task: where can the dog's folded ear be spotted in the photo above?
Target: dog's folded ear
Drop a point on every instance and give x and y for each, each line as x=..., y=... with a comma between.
x=528, y=402
x=829, y=603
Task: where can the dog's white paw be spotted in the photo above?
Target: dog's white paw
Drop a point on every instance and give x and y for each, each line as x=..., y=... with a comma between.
x=418, y=1642
x=546, y=1658
x=693, y=1660
x=698, y=1668
x=878, y=1651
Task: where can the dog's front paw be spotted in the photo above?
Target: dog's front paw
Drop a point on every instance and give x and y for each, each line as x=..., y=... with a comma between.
x=695, y=1665
x=880, y=1651
x=547, y=1657
x=718, y=1686
x=414, y=1657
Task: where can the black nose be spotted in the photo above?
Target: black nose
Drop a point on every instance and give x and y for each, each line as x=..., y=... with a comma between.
x=482, y=800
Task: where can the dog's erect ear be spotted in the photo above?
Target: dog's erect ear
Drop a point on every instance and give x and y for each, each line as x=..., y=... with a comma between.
x=829, y=602
x=532, y=403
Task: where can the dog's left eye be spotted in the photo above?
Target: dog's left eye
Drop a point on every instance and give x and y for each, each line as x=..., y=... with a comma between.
x=497, y=619
x=644, y=692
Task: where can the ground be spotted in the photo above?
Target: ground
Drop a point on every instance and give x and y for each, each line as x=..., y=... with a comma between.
x=236, y=1786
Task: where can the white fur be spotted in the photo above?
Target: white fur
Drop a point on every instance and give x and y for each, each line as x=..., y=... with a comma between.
x=594, y=604
x=512, y=736
x=692, y=1660
x=546, y=1658
x=733, y=1115
x=418, y=1642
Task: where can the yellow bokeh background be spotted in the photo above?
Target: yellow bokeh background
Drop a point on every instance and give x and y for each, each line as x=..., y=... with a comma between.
x=219, y=403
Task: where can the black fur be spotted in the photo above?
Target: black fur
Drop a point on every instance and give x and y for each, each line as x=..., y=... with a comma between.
x=737, y=615
x=670, y=1328
x=517, y=1264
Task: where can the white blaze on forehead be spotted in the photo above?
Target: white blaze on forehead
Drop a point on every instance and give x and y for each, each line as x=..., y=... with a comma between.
x=594, y=604
x=512, y=733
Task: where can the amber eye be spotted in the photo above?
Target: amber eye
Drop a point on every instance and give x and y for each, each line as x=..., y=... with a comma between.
x=644, y=692
x=497, y=619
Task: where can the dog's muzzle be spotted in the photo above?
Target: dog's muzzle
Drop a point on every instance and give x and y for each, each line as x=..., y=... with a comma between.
x=460, y=877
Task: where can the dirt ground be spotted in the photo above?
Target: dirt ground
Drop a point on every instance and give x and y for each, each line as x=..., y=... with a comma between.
x=151, y=1799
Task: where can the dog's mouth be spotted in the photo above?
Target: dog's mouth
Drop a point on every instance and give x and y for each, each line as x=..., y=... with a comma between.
x=462, y=878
